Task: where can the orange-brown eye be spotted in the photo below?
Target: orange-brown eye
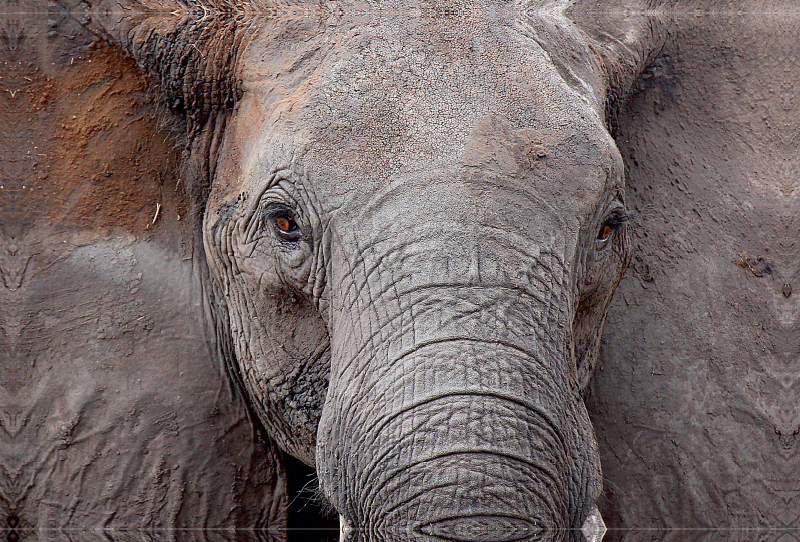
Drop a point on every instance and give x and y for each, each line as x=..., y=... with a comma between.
x=605, y=232
x=285, y=224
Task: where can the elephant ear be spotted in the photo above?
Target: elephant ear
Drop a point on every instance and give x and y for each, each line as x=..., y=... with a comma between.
x=625, y=41
x=189, y=48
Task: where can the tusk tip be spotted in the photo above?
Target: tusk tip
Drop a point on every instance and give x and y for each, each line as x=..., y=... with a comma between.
x=344, y=529
x=593, y=528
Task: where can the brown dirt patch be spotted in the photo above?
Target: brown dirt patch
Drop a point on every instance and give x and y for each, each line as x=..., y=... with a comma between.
x=88, y=151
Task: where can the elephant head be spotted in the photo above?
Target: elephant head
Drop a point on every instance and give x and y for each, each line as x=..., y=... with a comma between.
x=415, y=225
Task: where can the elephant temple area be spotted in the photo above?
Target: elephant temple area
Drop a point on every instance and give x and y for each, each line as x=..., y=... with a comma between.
x=476, y=271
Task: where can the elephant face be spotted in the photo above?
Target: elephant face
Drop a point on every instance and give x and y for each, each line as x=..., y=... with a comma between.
x=416, y=234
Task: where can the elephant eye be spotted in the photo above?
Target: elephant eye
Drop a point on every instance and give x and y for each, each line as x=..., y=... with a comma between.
x=603, y=237
x=606, y=232
x=287, y=228
x=285, y=224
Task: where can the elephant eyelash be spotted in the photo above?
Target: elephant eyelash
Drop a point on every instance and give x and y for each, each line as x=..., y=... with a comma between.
x=617, y=220
x=613, y=223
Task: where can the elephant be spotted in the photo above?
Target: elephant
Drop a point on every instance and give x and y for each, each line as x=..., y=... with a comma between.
x=703, y=435
x=431, y=224
x=400, y=245
x=102, y=304
x=391, y=252
x=412, y=240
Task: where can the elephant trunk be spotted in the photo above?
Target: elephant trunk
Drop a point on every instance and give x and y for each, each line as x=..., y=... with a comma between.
x=452, y=412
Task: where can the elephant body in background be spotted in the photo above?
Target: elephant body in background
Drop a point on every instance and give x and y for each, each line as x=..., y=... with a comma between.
x=695, y=404
x=116, y=411
x=397, y=231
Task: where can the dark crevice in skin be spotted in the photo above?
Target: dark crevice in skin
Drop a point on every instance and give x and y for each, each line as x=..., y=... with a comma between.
x=311, y=519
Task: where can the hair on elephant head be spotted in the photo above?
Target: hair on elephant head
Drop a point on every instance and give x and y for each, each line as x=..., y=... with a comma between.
x=415, y=226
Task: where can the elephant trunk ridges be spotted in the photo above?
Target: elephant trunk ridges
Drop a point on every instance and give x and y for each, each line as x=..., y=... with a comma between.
x=452, y=410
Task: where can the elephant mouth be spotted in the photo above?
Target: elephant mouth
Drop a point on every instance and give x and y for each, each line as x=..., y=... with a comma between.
x=482, y=528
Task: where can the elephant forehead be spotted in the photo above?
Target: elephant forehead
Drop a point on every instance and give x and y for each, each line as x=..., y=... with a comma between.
x=391, y=90
x=416, y=88
x=380, y=103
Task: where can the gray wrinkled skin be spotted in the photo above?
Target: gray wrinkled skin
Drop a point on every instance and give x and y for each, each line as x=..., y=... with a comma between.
x=413, y=225
x=444, y=181
x=424, y=330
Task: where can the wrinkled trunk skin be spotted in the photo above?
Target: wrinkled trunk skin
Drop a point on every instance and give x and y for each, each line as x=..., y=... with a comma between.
x=450, y=409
